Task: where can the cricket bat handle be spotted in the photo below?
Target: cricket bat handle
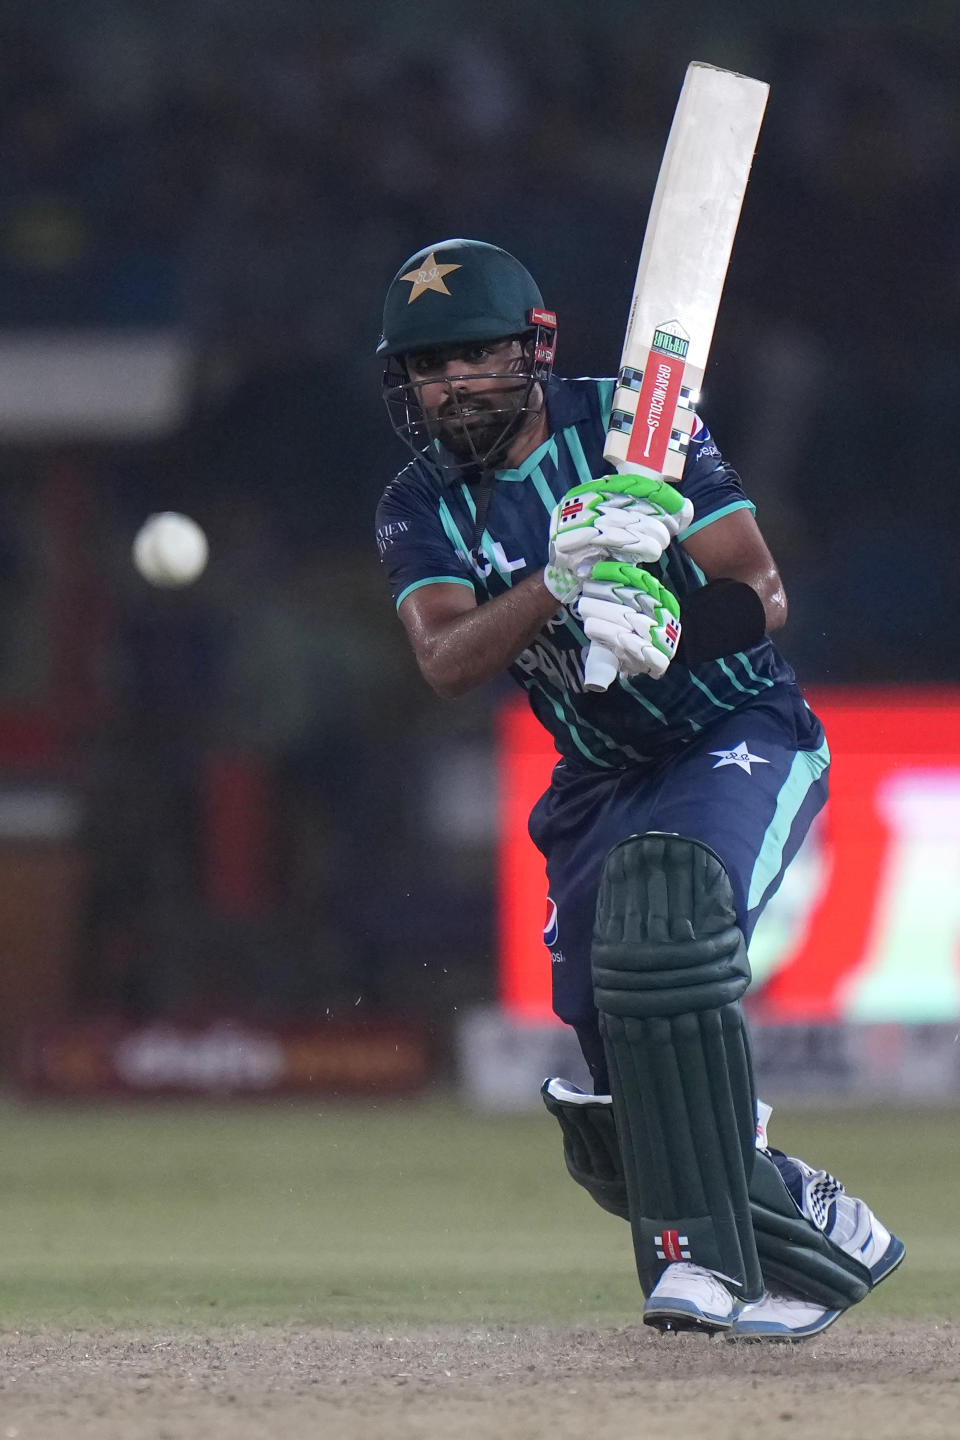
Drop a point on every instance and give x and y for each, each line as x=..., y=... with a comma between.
x=600, y=668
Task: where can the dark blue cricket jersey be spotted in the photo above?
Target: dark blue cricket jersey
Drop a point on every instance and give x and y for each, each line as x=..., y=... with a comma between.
x=426, y=535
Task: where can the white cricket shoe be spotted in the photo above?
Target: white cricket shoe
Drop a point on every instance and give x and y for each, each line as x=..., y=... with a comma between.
x=781, y=1317
x=847, y=1221
x=687, y=1297
x=854, y=1227
x=851, y=1225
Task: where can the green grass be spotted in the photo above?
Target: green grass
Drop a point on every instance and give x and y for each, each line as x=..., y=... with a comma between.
x=318, y=1214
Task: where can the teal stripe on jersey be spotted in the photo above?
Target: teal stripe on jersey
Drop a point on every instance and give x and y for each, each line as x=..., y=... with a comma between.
x=486, y=541
x=606, y=389
x=575, y=447
x=622, y=749
x=543, y=489
x=760, y=679
x=471, y=503
x=459, y=544
x=433, y=580
x=456, y=539
x=472, y=507
x=574, y=733
x=807, y=767
x=619, y=748
x=717, y=515
x=744, y=689
x=542, y=452
x=626, y=684
x=720, y=704
x=450, y=529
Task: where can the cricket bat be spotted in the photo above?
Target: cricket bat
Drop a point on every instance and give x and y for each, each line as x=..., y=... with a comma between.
x=676, y=296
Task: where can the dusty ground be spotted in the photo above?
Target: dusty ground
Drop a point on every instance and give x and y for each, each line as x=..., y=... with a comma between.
x=889, y=1382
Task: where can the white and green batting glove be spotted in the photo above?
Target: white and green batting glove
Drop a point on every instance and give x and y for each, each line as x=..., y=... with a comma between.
x=630, y=613
x=564, y=585
x=627, y=517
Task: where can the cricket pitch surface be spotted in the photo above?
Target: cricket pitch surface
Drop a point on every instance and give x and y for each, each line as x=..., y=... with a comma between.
x=882, y=1381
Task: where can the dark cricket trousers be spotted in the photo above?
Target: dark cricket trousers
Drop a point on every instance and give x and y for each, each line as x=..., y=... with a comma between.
x=749, y=787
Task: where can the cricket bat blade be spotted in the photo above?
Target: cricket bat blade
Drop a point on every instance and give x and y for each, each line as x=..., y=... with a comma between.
x=680, y=276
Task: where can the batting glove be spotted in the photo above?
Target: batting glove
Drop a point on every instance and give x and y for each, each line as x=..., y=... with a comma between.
x=629, y=612
x=628, y=516
x=563, y=584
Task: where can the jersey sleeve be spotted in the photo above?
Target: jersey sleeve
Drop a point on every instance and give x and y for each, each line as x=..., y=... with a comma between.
x=710, y=482
x=414, y=549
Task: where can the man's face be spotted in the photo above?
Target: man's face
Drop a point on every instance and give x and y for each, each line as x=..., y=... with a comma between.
x=472, y=394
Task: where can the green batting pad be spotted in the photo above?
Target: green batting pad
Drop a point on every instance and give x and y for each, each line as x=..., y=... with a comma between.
x=669, y=967
x=793, y=1255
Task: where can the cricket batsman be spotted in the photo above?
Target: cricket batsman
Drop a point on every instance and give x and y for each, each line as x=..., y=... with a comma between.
x=679, y=797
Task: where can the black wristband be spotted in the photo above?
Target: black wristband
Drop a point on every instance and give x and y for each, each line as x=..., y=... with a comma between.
x=720, y=618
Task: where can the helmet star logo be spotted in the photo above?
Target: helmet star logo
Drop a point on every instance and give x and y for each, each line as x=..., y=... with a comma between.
x=428, y=277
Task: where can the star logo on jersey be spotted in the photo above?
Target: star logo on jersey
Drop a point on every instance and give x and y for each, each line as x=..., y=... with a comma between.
x=428, y=277
x=739, y=755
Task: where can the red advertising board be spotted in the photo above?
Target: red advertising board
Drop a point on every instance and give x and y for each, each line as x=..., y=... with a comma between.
x=866, y=926
x=222, y=1057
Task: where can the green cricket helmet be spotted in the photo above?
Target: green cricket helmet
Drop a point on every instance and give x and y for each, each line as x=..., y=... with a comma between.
x=458, y=290
x=453, y=294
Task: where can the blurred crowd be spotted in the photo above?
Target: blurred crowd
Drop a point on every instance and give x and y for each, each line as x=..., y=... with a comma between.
x=251, y=177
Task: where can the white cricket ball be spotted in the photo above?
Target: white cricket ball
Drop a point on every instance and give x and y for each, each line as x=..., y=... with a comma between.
x=170, y=549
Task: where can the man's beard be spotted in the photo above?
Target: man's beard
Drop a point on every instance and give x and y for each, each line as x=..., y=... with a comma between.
x=479, y=429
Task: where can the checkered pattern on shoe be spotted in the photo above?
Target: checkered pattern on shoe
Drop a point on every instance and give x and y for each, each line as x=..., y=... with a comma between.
x=819, y=1191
